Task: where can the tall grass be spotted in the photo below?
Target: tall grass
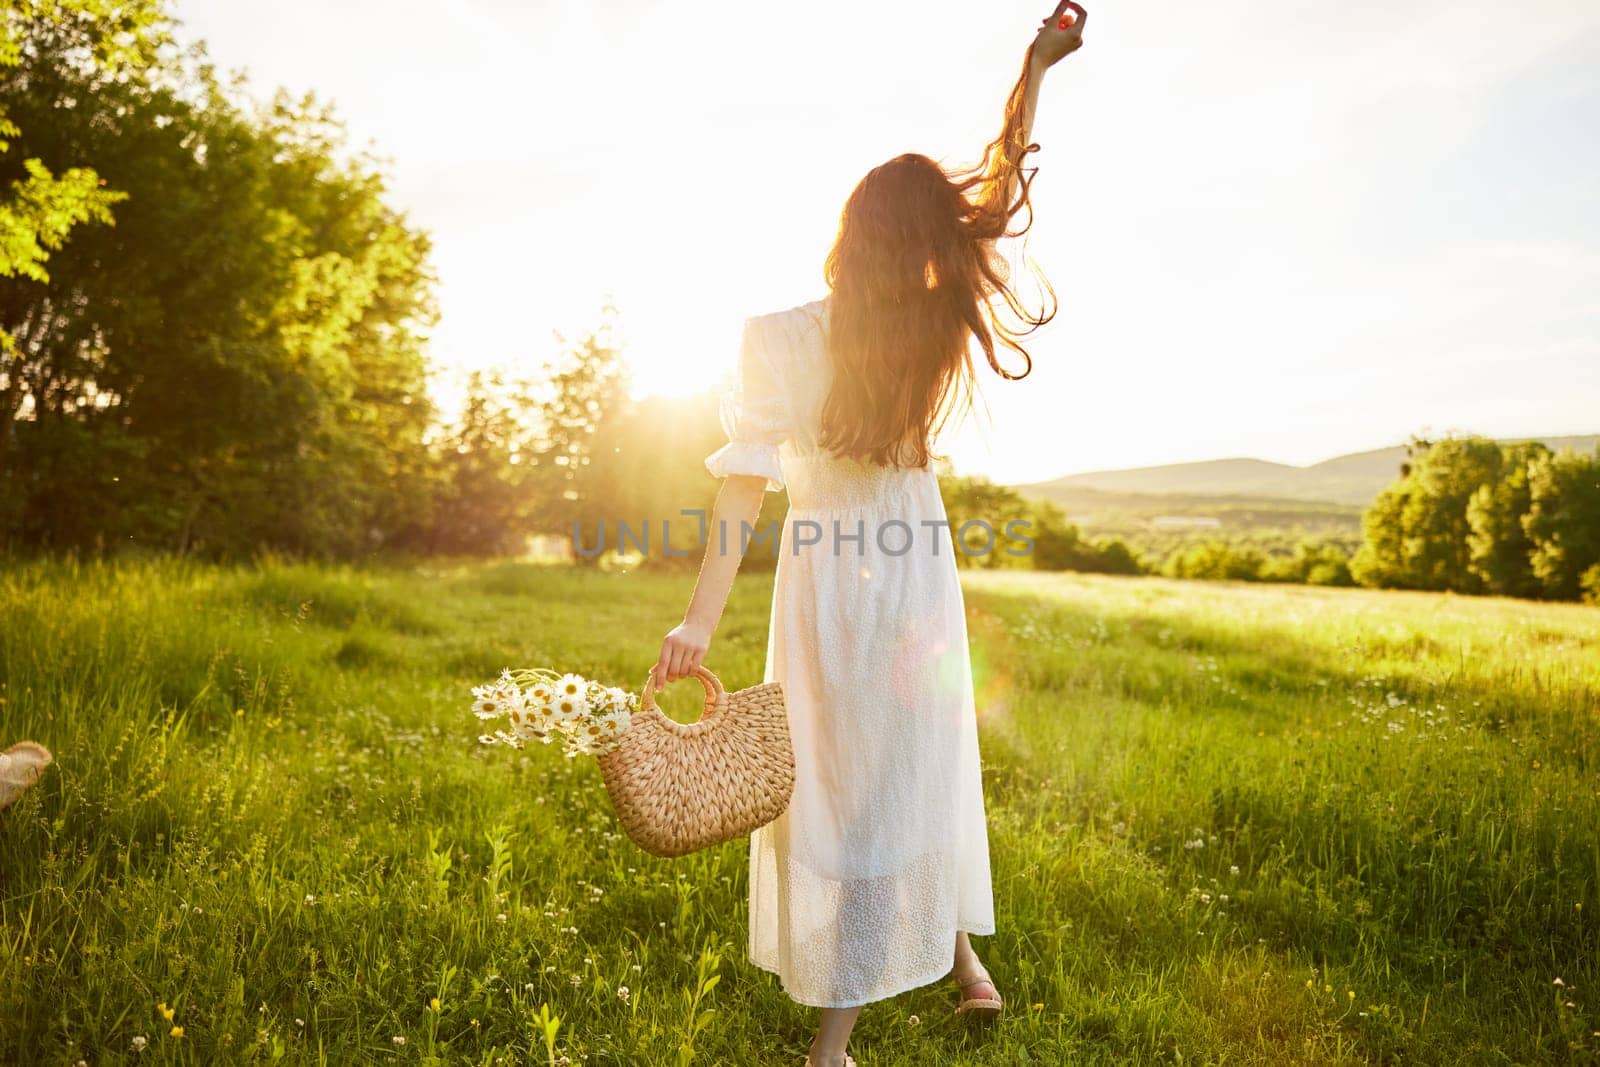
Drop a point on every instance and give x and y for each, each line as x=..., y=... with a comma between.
x=1230, y=824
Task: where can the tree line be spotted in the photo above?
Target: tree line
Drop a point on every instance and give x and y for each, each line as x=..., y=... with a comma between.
x=1464, y=515
x=213, y=324
x=1473, y=515
x=213, y=341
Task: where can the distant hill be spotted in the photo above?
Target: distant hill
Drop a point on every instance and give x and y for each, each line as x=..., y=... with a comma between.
x=1355, y=479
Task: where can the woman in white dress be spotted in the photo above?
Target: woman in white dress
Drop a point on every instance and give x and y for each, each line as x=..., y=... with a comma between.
x=871, y=880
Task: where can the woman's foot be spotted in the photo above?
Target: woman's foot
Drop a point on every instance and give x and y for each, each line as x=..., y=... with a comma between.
x=982, y=989
x=840, y=1060
x=979, y=997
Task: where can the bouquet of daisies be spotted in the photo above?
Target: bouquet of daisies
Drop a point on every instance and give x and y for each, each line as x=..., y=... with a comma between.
x=543, y=705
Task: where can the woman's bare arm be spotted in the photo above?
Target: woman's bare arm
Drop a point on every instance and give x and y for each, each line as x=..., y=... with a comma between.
x=738, y=504
x=1060, y=35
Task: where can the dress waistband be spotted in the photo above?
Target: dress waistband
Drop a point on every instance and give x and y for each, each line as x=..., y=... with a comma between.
x=823, y=481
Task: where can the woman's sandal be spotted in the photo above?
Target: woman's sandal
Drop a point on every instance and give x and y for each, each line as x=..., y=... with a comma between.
x=977, y=1007
x=20, y=766
x=848, y=1061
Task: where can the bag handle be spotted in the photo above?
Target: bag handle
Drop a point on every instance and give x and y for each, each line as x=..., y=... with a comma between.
x=712, y=684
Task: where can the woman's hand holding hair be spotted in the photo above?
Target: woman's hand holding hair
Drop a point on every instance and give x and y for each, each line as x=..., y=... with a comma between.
x=1061, y=34
x=1059, y=37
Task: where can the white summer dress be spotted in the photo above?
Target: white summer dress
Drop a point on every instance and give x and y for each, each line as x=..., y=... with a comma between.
x=858, y=889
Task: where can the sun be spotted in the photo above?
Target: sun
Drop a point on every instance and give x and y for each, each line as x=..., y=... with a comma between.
x=677, y=352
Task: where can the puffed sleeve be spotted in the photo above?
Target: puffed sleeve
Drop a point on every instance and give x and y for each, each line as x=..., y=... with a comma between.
x=755, y=411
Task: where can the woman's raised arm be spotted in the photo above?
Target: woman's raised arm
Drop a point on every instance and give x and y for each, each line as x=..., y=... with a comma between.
x=1060, y=35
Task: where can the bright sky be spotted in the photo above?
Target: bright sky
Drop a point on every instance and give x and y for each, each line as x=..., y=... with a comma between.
x=1280, y=229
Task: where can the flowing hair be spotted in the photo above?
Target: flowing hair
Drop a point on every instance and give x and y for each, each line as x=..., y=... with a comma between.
x=913, y=274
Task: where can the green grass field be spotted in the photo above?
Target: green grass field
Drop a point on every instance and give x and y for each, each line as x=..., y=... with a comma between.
x=1230, y=824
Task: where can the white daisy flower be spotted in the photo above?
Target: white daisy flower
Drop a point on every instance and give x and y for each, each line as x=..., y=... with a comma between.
x=525, y=720
x=541, y=717
x=587, y=716
x=614, y=724
x=570, y=710
x=486, y=702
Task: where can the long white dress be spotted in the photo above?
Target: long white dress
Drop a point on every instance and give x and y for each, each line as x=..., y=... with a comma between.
x=858, y=889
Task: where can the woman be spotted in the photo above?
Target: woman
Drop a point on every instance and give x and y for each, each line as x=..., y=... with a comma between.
x=871, y=880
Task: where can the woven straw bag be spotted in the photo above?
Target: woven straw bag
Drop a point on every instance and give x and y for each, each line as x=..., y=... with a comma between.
x=681, y=787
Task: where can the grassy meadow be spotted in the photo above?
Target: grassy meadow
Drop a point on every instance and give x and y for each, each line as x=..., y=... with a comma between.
x=1230, y=824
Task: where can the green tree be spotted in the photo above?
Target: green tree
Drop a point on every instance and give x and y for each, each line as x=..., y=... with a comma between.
x=239, y=362
x=1498, y=545
x=1058, y=545
x=111, y=36
x=583, y=392
x=1415, y=535
x=1591, y=585
x=1113, y=556
x=648, y=468
x=481, y=488
x=1216, y=559
x=1563, y=521
x=1313, y=562
x=988, y=513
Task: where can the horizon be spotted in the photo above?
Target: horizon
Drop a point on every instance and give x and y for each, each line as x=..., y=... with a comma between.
x=1297, y=466
x=1365, y=223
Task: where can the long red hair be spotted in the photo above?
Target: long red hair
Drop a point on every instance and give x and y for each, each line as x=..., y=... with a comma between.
x=913, y=275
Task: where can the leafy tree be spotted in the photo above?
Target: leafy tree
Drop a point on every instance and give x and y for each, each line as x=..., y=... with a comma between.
x=1380, y=561
x=239, y=362
x=1313, y=562
x=481, y=483
x=1059, y=545
x=1498, y=545
x=1113, y=556
x=1563, y=521
x=648, y=469
x=1416, y=532
x=1471, y=515
x=987, y=512
x=1216, y=559
x=111, y=36
x=584, y=392
x=537, y=453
